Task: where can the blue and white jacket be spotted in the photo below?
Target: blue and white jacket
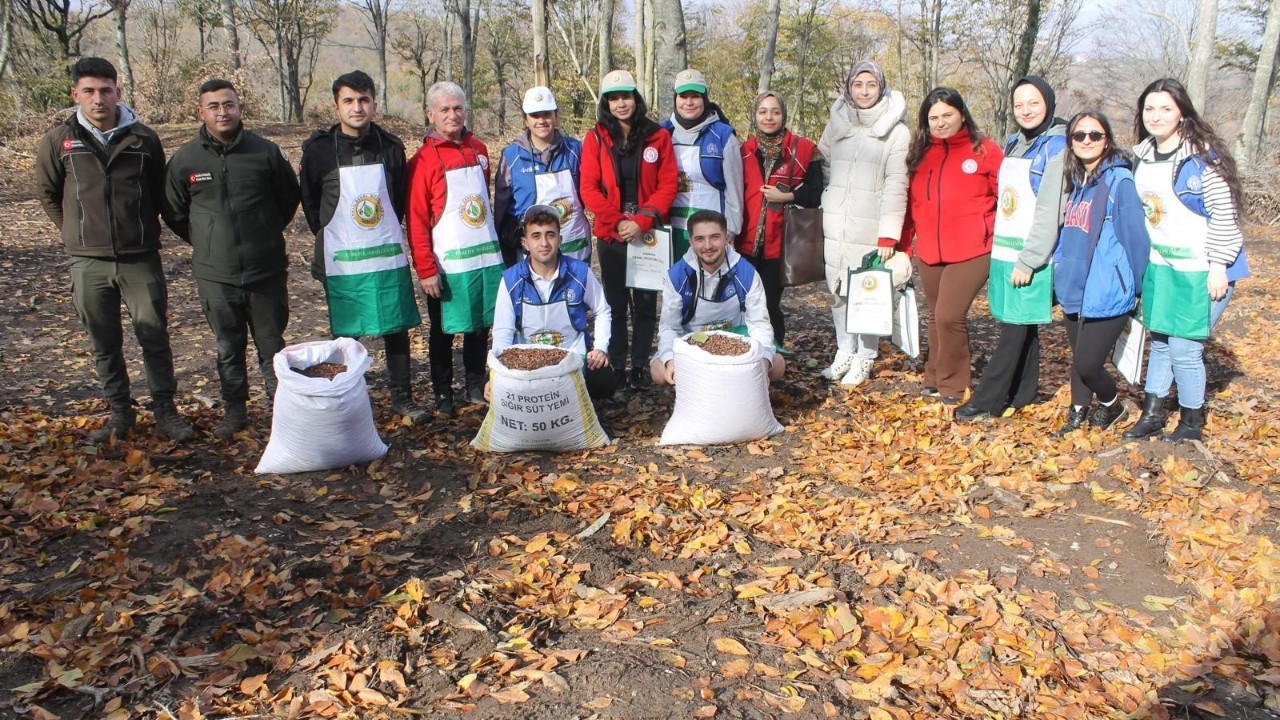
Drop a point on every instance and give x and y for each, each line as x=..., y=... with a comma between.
x=1103, y=247
x=689, y=290
x=514, y=190
x=574, y=284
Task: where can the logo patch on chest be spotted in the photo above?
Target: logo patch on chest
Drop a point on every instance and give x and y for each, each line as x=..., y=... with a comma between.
x=72, y=144
x=473, y=211
x=367, y=211
x=1008, y=202
x=194, y=178
x=969, y=166
x=651, y=155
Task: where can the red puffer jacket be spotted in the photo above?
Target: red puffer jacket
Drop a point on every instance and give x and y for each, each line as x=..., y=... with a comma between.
x=951, y=202
x=600, y=194
x=427, y=189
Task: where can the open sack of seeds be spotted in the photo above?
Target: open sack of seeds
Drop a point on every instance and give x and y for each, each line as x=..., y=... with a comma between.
x=538, y=401
x=322, y=417
x=722, y=391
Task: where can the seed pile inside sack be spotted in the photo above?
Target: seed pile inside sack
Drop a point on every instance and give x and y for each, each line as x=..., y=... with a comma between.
x=531, y=358
x=326, y=370
x=720, y=344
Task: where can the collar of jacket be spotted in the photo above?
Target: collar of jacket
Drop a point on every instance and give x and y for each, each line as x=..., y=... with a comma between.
x=213, y=144
x=879, y=119
x=435, y=137
x=961, y=138
x=525, y=142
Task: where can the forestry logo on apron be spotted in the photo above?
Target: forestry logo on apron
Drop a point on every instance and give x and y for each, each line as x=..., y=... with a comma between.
x=1153, y=209
x=1008, y=202
x=473, y=211
x=547, y=338
x=683, y=184
x=562, y=207
x=367, y=211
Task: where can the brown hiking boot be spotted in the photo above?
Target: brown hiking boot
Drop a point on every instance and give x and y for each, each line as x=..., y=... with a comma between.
x=119, y=424
x=170, y=424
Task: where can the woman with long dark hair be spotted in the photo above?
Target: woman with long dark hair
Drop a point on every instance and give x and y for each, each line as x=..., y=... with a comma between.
x=628, y=176
x=1020, y=290
x=1098, y=265
x=951, y=213
x=779, y=168
x=1191, y=190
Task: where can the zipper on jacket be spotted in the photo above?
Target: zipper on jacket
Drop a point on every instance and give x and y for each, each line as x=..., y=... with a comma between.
x=946, y=150
x=226, y=194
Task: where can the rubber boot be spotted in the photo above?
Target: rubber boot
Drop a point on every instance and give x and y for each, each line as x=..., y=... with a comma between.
x=1075, y=420
x=169, y=423
x=1151, y=421
x=233, y=421
x=1190, y=425
x=400, y=378
x=122, y=420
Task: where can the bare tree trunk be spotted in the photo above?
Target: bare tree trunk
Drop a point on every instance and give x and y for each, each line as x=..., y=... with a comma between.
x=448, y=47
x=671, y=52
x=650, y=51
x=902, y=62
x=541, y=60
x=606, y=36
x=1027, y=43
x=121, y=8
x=200, y=28
x=6, y=34
x=806, y=34
x=772, y=10
x=1264, y=80
x=638, y=46
x=233, y=37
x=1202, y=52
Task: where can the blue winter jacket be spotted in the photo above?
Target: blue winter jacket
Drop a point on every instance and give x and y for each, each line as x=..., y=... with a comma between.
x=685, y=277
x=1103, y=246
x=1045, y=146
x=514, y=188
x=570, y=286
x=711, y=142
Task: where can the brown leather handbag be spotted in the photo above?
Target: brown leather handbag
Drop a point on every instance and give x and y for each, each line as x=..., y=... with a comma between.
x=802, y=255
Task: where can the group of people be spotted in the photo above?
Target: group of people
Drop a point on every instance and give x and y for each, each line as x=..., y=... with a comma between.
x=1060, y=214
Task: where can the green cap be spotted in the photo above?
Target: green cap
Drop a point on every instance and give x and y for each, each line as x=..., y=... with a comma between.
x=617, y=81
x=690, y=80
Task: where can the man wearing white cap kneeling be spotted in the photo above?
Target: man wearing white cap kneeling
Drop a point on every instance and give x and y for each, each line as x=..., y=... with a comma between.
x=540, y=167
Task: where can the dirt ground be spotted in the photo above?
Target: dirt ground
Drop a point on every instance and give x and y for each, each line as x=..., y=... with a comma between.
x=875, y=560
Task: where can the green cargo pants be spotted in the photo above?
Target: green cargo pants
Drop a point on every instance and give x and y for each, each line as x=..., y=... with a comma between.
x=233, y=311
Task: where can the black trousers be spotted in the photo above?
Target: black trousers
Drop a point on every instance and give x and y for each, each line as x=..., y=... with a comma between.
x=1091, y=343
x=770, y=272
x=475, y=348
x=640, y=305
x=234, y=311
x=601, y=383
x=1012, y=375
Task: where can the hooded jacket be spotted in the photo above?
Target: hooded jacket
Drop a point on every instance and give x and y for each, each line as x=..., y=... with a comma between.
x=514, y=189
x=656, y=186
x=1103, y=248
x=232, y=202
x=720, y=159
x=866, y=194
x=319, y=177
x=428, y=189
x=105, y=200
x=952, y=200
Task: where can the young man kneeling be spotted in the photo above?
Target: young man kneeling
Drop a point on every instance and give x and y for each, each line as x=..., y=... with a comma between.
x=712, y=287
x=545, y=299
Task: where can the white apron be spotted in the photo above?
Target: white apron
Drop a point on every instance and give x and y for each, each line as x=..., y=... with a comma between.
x=467, y=252
x=1031, y=304
x=366, y=260
x=1175, y=289
x=549, y=323
x=693, y=193
x=557, y=190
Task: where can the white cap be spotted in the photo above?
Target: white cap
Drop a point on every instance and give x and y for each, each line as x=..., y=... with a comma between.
x=538, y=99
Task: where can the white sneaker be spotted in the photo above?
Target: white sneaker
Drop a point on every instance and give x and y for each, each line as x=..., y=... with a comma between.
x=859, y=373
x=839, y=366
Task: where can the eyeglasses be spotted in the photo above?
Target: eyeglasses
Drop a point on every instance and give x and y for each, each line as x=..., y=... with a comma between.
x=1093, y=135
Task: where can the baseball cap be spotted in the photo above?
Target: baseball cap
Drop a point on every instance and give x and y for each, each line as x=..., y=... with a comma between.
x=690, y=80
x=538, y=99
x=617, y=81
x=536, y=210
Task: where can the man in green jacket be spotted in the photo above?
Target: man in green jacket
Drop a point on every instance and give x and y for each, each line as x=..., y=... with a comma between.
x=100, y=176
x=231, y=194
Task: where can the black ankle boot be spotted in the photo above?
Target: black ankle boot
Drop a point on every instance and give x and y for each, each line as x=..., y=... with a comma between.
x=1107, y=415
x=1075, y=420
x=1190, y=425
x=1152, y=420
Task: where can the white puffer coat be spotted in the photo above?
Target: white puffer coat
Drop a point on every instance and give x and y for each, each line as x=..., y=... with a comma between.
x=866, y=195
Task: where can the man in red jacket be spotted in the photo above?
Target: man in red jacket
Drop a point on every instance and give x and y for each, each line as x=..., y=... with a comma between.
x=455, y=246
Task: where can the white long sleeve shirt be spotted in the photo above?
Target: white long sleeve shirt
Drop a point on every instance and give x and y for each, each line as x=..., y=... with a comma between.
x=755, y=314
x=504, y=314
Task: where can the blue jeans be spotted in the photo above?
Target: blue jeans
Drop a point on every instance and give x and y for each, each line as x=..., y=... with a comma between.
x=1175, y=359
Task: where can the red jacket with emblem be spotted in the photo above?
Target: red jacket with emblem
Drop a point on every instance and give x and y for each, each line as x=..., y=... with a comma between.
x=656, y=186
x=427, y=189
x=951, y=202
x=797, y=156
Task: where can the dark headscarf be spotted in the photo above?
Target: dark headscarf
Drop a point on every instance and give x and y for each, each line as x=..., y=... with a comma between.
x=1050, y=104
x=866, y=66
x=708, y=108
